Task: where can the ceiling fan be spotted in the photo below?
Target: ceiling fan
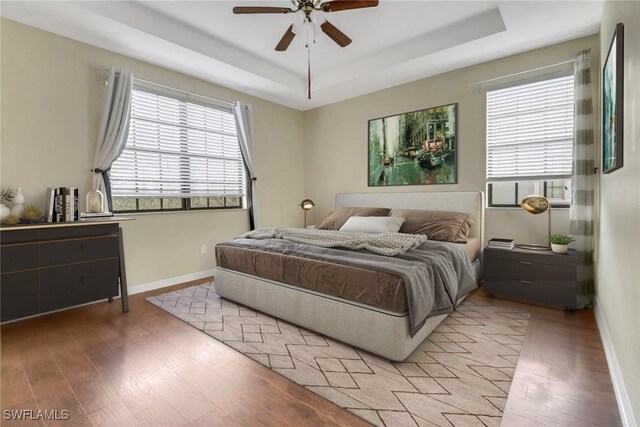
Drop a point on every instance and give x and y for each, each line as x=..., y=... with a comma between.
x=307, y=7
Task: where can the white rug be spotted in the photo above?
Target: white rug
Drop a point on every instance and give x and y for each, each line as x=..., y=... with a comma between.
x=459, y=376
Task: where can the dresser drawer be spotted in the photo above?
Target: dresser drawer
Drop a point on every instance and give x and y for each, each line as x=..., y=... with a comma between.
x=18, y=294
x=550, y=294
x=19, y=236
x=70, y=285
x=77, y=250
x=57, y=233
x=19, y=257
x=507, y=269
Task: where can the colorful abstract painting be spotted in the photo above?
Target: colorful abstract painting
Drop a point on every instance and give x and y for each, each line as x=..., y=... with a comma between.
x=414, y=148
x=612, y=103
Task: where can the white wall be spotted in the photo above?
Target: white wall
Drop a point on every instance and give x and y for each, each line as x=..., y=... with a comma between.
x=336, y=137
x=618, y=251
x=51, y=105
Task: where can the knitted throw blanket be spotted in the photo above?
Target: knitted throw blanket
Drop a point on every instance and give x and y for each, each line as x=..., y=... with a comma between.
x=388, y=244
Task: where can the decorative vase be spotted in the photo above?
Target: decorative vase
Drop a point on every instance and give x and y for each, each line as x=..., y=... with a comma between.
x=19, y=199
x=4, y=211
x=95, y=201
x=18, y=203
x=559, y=249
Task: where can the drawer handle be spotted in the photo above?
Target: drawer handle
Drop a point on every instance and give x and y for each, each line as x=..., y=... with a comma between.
x=525, y=263
x=82, y=246
x=82, y=279
x=525, y=281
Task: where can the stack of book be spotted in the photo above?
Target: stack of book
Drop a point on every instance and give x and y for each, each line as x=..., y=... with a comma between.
x=62, y=204
x=501, y=243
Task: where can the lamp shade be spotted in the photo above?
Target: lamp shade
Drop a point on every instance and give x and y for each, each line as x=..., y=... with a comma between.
x=307, y=204
x=535, y=204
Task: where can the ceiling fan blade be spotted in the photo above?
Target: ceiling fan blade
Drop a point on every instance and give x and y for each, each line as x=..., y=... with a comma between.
x=242, y=10
x=286, y=40
x=335, y=34
x=340, y=5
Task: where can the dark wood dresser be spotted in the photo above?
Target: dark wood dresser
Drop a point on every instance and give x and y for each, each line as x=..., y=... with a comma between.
x=538, y=277
x=51, y=266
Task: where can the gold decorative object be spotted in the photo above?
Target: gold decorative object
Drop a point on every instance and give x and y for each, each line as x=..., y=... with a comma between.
x=536, y=204
x=31, y=212
x=306, y=205
x=10, y=220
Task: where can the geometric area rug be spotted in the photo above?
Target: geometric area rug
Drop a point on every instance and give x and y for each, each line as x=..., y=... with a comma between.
x=460, y=375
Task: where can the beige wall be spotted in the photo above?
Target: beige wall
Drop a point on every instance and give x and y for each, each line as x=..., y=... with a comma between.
x=618, y=263
x=336, y=137
x=51, y=106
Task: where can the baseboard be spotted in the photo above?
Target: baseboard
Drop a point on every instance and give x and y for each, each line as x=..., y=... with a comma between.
x=624, y=403
x=170, y=281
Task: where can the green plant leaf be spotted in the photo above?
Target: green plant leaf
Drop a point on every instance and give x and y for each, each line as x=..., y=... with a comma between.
x=561, y=239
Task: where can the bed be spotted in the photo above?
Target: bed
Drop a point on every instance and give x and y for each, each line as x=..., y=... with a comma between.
x=377, y=322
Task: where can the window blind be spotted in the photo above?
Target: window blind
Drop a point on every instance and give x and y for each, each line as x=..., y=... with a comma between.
x=530, y=130
x=178, y=148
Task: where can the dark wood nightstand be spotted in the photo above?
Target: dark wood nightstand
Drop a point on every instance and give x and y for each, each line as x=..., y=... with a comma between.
x=538, y=277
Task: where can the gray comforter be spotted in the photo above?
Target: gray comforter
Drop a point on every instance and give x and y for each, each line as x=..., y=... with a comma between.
x=436, y=274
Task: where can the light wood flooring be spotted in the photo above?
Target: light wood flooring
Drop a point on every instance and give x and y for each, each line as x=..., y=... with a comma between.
x=149, y=368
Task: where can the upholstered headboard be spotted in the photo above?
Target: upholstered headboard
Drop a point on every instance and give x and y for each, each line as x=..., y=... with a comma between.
x=470, y=202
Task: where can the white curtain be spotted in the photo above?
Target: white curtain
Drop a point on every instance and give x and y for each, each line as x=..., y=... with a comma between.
x=243, y=114
x=114, y=128
x=583, y=178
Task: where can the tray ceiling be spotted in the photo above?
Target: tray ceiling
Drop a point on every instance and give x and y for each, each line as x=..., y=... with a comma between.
x=397, y=42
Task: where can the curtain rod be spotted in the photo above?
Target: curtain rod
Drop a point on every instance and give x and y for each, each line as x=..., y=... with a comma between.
x=105, y=70
x=479, y=82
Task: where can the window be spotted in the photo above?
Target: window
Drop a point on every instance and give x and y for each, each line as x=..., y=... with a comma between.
x=530, y=141
x=182, y=153
x=507, y=194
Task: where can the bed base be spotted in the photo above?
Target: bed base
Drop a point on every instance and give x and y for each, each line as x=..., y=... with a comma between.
x=378, y=331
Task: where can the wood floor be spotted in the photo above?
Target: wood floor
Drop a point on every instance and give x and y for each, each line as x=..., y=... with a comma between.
x=149, y=368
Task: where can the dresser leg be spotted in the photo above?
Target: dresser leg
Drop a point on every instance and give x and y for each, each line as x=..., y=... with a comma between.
x=110, y=300
x=124, y=293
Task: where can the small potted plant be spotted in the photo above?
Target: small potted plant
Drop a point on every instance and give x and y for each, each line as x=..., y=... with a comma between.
x=560, y=242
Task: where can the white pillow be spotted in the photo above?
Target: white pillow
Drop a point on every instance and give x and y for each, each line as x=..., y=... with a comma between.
x=373, y=224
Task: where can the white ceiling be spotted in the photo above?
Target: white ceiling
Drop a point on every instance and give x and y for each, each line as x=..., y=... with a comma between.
x=394, y=43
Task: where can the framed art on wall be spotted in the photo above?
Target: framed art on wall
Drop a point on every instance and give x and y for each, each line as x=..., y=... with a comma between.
x=613, y=103
x=414, y=148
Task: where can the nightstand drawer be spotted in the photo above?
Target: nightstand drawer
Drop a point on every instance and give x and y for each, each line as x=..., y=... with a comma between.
x=503, y=269
x=550, y=294
x=533, y=257
x=77, y=284
x=77, y=250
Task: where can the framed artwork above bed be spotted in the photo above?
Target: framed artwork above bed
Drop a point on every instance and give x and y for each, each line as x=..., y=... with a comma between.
x=416, y=148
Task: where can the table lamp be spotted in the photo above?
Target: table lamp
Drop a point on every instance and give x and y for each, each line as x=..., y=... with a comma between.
x=306, y=205
x=536, y=204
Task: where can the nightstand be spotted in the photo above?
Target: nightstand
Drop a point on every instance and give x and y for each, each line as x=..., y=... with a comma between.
x=538, y=277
